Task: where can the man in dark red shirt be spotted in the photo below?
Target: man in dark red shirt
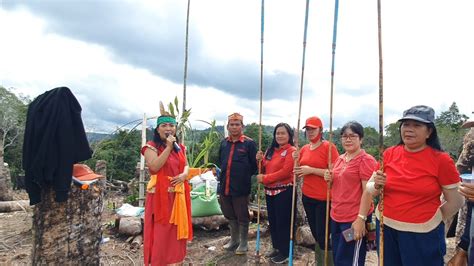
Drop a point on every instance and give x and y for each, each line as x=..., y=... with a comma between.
x=237, y=158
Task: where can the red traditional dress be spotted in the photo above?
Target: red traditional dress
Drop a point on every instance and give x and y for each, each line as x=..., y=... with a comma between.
x=168, y=224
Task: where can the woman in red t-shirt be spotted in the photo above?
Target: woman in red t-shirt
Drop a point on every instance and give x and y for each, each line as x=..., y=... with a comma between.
x=349, y=177
x=313, y=163
x=167, y=226
x=278, y=166
x=415, y=174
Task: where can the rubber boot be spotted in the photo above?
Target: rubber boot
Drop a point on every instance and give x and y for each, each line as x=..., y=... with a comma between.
x=244, y=233
x=318, y=255
x=330, y=258
x=234, y=236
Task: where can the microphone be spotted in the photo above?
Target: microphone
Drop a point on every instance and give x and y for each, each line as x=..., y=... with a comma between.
x=175, y=145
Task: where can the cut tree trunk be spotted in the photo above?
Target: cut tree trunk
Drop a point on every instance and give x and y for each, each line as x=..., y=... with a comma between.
x=68, y=233
x=300, y=213
x=11, y=206
x=304, y=237
x=464, y=165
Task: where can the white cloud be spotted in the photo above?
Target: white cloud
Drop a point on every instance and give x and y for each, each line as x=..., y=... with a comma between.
x=428, y=59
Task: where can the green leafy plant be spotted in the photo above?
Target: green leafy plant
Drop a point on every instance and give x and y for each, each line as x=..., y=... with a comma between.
x=132, y=199
x=212, y=138
x=182, y=118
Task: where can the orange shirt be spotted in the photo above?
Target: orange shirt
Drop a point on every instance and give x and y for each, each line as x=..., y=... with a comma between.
x=314, y=186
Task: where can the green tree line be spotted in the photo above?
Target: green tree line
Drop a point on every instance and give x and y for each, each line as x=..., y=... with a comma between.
x=121, y=150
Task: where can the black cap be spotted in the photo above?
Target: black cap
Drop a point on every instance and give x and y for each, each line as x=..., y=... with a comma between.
x=420, y=113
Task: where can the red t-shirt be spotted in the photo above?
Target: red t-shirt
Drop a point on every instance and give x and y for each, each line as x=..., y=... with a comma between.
x=279, y=170
x=347, y=185
x=414, y=182
x=314, y=186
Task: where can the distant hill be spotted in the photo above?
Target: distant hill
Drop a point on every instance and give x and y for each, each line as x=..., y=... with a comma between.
x=96, y=137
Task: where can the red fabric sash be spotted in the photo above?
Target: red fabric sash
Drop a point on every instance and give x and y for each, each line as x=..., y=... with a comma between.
x=161, y=205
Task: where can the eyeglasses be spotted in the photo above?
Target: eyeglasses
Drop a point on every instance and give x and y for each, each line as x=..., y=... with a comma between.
x=350, y=136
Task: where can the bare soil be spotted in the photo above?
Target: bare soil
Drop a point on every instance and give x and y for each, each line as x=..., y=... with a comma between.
x=205, y=249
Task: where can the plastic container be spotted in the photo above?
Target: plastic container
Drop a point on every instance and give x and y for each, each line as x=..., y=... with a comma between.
x=467, y=178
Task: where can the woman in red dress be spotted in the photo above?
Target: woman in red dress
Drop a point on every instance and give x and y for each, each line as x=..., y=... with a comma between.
x=168, y=206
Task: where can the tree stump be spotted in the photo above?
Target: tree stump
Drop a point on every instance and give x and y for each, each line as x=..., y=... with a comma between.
x=68, y=233
x=5, y=182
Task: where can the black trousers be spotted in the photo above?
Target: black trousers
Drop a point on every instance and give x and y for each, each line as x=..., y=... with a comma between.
x=316, y=214
x=279, y=218
x=235, y=208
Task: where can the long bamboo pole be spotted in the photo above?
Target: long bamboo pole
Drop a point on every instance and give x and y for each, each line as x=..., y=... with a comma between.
x=293, y=198
x=186, y=57
x=328, y=191
x=257, y=245
x=381, y=239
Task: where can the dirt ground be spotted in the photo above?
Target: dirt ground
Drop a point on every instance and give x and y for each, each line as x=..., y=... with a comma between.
x=205, y=249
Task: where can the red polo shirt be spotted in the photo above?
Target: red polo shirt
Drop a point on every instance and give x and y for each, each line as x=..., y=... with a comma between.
x=347, y=185
x=314, y=186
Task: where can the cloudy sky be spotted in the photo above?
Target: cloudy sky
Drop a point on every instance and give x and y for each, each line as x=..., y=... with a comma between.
x=120, y=58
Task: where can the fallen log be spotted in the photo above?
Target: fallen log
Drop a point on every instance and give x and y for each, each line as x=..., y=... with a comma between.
x=137, y=242
x=263, y=210
x=304, y=237
x=213, y=222
x=130, y=226
x=210, y=222
x=17, y=205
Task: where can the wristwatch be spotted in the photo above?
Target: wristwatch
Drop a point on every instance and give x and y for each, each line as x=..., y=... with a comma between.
x=362, y=217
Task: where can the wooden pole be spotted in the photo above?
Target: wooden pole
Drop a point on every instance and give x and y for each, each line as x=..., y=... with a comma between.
x=381, y=240
x=328, y=190
x=141, y=179
x=186, y=58
x=257, y=247
x=296, y=164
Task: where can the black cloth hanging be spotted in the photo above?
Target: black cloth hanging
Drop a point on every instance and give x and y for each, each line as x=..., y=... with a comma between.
x=54, y=140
